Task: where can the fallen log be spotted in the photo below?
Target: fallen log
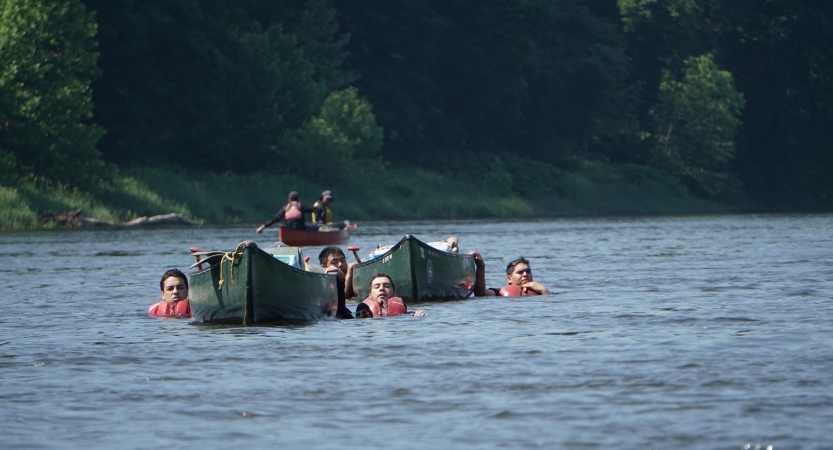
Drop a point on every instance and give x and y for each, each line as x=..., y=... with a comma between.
x=66, y=219
x=74, y=219
x=165, y=219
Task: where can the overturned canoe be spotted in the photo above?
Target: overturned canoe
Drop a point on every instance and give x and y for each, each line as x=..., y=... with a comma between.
x=419, y=272
x=303, y=238
x=250, y=285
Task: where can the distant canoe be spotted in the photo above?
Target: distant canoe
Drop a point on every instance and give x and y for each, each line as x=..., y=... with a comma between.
x=420, y=272
x=250, y=286
x=302, y=238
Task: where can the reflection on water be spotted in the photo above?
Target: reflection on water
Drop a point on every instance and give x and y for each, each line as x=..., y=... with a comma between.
x=685, y=332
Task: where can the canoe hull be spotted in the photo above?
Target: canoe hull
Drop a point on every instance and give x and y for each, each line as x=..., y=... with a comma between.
x=302, y=238
x=420, y=272
x=256, y=288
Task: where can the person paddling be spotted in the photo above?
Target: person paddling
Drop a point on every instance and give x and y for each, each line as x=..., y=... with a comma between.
x=322, y=214
x=518, y=277
x=174, y=287
x=292, y=213
x=382, y=300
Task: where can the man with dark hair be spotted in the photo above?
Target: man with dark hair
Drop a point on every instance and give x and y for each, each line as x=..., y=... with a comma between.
x=333, y=261
x=518, y=275
x=382, y=300
x=322, y=214
x=292, y=213
x=174, y=287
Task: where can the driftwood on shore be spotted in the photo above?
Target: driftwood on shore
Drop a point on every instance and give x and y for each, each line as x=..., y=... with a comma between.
x=74, y=219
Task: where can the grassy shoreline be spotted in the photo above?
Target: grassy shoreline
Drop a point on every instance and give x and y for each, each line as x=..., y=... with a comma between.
x=397, y=194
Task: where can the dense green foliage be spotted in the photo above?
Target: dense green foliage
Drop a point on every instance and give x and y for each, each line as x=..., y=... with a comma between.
x=47, y=62
x=694, y=123
x=729, y=99
x=780, y=54
x=454, y=81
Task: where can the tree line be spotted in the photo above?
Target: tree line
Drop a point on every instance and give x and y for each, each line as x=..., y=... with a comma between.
x=733, y=98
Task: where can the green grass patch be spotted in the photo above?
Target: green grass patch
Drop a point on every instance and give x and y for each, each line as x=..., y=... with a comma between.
x=393, y=195
x=15, y=212
x=514, y=189
x=607, y=189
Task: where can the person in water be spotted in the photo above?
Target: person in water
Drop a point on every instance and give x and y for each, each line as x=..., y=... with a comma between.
x=382, y=300
x=518, y=277
x=292, y=213
x=332, y=259
x=174, y=287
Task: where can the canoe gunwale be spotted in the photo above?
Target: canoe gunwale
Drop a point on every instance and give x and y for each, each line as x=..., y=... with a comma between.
x=305, y=238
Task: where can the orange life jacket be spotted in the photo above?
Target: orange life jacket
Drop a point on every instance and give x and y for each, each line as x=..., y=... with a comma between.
x=511, y=290
x=180, y=308
x=393, y=306
x=292, y=211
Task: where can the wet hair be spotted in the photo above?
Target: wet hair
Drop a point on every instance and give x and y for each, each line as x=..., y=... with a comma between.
x=173, y=273
x=325, y=254
x=363, y=311
x=511, y=266
x=382, y=275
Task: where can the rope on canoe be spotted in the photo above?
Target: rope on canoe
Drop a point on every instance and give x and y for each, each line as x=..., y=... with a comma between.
x=232, y=257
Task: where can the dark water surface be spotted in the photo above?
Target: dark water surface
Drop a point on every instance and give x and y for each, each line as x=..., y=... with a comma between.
x=693, y=332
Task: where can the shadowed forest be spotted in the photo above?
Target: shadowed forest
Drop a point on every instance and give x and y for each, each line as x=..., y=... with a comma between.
x=414, y=109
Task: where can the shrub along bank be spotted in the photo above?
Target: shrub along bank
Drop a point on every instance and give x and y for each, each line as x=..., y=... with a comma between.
x=396, y=194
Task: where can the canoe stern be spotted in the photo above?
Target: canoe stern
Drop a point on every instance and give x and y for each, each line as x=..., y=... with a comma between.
x=250, y=286
x=420, y=272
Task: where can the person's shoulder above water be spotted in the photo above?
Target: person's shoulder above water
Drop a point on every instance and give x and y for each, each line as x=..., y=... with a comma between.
x=518, y=277
x=163, y=308
x=382, y=300
x=174, y=287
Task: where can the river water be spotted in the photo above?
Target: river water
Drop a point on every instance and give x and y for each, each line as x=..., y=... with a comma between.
x=711, y=332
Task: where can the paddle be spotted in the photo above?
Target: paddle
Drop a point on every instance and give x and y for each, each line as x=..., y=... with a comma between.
x=199, y=258
x=355, y=250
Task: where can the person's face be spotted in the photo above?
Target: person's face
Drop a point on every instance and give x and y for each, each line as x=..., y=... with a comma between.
x=327, y=200
x=174, y=290
x=521, y=274
x=336, y=261
x=381, y=289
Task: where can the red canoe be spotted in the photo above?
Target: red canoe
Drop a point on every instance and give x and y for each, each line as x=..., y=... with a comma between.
x=299, y=238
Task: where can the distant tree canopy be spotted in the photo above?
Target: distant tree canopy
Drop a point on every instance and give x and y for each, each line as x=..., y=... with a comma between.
x=455, y=80
x=47, y=61
x=725, y=95
x=694, y=123
x=204, y=84
x=780, y=55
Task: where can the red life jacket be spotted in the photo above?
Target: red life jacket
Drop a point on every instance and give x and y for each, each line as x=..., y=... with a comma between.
x=511, y=290
x=180, y=308
x=393, y=306
x=292, y=211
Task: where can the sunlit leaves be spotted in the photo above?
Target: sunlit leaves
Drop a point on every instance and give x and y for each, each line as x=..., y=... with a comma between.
x=695, y=121
x=47, y=61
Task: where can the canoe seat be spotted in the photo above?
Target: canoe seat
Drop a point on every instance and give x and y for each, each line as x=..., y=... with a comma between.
x=287, y=255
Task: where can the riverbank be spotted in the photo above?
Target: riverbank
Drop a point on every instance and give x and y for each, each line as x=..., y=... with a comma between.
x=397, y=194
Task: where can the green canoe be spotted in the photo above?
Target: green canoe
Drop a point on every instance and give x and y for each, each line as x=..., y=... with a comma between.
x=250, y=285
x=420, y=272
